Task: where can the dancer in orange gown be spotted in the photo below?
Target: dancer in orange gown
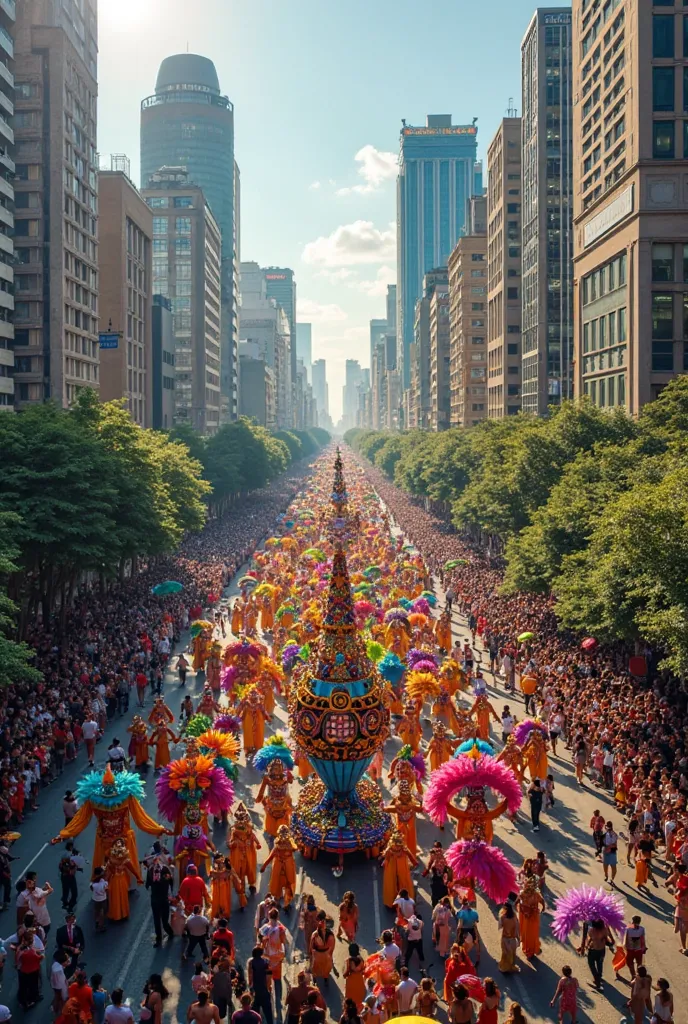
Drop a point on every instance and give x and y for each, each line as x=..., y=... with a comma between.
x=283, y=874
x=409, y=728
x=530, y=905
x=139, y=741
x=118, y=867
x=275, y=797
x=243, y=844
x=482, y=710
x=162, y=735
x=397, y=861
x=253, y=717
x=404, y=808
x=443, y=631
x=440, y=747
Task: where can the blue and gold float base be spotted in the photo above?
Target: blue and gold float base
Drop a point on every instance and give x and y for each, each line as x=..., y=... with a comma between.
x=357, y=821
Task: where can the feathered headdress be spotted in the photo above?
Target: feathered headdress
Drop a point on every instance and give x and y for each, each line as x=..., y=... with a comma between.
x=466, y=772
x=109, y=790
x=228, y=723
x=391, y=668
x=290, y=654
x=219, y=744
x=485, y=864
x=275, y=748
x=198, y=724
x=421, y=606
x=482, y=745
x=417, y=654
x=396, y=615
x=416, y=760
x=416, y=619
x=523, y=730
x=421, y=686
x=187, y=780
x=586, y=904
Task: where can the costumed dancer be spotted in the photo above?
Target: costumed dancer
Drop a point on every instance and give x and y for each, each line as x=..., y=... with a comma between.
x=443, y=631
x=482, y=711
x=409, y=766
x=115, y=800
x=277, y=763
x=535, y=755
x=283, y=874
x=160, y=718
x=530, y=905
x=397, y=861
x=118, y=867
x=214, y=667
x=222, y=877
x=243, y=844
x=253, y=715
x=404, y=807
x=443, y=711
x=207, y=705
x=138, y=745
x=471, y=774
x=409, y=728
x=440, y=747
x=237, y=622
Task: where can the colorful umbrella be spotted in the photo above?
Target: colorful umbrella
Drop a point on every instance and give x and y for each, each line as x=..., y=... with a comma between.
x=454, y=563
x=168, y=587
x=525, y=636
x=589, y=643
x=248, y=581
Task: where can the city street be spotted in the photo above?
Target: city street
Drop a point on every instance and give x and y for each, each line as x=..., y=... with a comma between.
x=125, y=956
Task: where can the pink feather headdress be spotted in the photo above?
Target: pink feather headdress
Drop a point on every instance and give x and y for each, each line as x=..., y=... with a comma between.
x=468, y=772
x=483, y=864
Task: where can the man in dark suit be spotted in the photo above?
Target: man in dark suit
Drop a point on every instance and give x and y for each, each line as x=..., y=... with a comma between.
x=70, y=940
x=159, y=883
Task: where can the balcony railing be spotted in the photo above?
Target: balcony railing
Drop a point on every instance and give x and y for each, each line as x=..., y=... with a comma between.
x=10, y=7
x=6, y=40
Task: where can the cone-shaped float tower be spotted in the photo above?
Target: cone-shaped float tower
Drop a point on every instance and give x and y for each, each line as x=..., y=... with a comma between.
x=338, y=716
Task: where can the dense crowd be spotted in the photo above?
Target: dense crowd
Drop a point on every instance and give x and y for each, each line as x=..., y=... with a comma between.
x=109, y=638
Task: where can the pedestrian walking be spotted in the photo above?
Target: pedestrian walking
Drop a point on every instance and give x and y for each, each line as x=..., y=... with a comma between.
x=535, y=795
x=197, y=929
x=258, y=976
x=99, y=897
x=159, y=883
x=598, y=940
x=610, y=842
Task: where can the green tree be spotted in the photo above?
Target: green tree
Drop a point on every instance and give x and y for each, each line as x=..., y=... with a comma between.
x=15, y=656
x=387, y=455
x=292, y=442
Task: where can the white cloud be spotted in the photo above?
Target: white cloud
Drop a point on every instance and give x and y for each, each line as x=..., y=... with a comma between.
x=351, y=244
x=385, y=275
x=314, y=185
x=336, y=276
x=320, y=313
x=376, y=167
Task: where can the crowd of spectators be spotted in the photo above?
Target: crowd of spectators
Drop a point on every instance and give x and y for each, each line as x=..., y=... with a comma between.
x=109, y=637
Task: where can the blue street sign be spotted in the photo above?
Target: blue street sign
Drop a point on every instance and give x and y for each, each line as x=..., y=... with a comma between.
x=108, y=340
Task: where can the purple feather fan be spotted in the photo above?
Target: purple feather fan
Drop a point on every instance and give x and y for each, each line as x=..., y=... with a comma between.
x=228, y=723
x=396, y=615
x=290, y=653
x=417, y=654
x=227, y=677
x=168, y=801
x=524, y=729
x=453, y=776
x=220, y=796
x=183, y=843
x=418, y=762
x=421, y=605
x=426, y=666
x=483, y=864
x=586, y=904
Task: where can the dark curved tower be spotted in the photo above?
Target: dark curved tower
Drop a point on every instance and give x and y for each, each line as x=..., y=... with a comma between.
x=188, y=123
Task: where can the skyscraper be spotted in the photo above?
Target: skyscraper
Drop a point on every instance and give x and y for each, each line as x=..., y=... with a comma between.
x=264, y=321
x=378, y=330
x=304, y=347
x=468, y=322
x=503, y=288
x=630, y=201
x=188, y=123
x=437, y=175
x=320, y=389
x=281, y=287
x=7, y=198
x=56, y=200
x=353, y=377
x=547, y=211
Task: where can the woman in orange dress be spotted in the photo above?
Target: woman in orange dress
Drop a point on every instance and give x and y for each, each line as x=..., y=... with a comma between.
x=118, y=868
x=397, y=861
x=409, y=728
x=222, y=877
x=243, y=844
x=482, y=711
x=138, y=746
x=440, y=748
x=530, y=906
x=267, y=614
x=322, y=948
x=457, y=963
x=443, y=632
x=348, y=917
x=253, y=717
x=404, y=808
x=160, y=738
x=237, y=624
x=283, y=874
x=275, y=797
x=355, y=987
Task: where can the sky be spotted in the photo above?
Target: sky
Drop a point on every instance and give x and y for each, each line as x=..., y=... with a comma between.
x=319, y=90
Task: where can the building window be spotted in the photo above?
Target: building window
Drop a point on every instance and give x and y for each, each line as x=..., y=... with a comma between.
x=512, y=293
x=159, y=225
x=662, y=316
x=182, y=245
x=183, y=202
x=622, y=324
x=685, y=316
x=160, y=245
x=663, y=35
x=512, y=349
x=663, y=88
x=663, y=140
x=158, y=202
x=182, y=226
x=662, y=262
x=685, y=33
x=662, y=357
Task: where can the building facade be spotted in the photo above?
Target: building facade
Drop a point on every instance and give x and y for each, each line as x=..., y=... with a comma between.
x=468, y=332
x=421, y=405
x=630, y=200
x=7, y=202
x=304, y=347
x=504, y=270
x=321, y=390
x=126, y=297
x=162, y=363
x=187, y=258
x=437, y=175
x=353, y=377
x=439, y=355
x=56, y=200
x=257, y=393
x=188, y=123
x=547, y=211
x=281, y=286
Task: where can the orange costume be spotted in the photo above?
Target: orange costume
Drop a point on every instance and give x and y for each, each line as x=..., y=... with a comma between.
x=409, y=728
x=243, y=845
x=440, y=748
x=397, y=860
x=114, y=801
x=283, y=875
x=481, y=711
x=201, y=649
x=138, y=746
x=160, y=738
x=222, y=877
x=274, y=795
x=214, y=667
x=267, y=614
x=237, y=624
x=512, y=757
x=476, y=821
x=253, y=716
x=404, y=808
x=535, y=755
x=443, y=710
x=118, y=867
x=443, y=631
x=530, y=905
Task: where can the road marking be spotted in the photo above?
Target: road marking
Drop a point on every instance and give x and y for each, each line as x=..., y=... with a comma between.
x=376, y=903
x=145, y=929
x=24, y=870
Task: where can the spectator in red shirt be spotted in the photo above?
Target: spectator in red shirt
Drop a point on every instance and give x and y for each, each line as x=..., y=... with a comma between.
x=193, y=890
x=224, y=937
x=141, y=683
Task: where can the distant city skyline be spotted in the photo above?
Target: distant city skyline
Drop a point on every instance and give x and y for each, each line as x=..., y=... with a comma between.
x=318, y=159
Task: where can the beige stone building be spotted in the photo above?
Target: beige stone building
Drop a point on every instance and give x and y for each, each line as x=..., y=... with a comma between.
x=504, y=270
x=439, y=356
x=56, y=277
x=468, y=331
x=126, y=299
x=630, y=199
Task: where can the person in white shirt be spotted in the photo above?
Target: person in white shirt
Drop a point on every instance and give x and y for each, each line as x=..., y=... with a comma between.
x=507, y=723
x=389, y=947
x=58, y=981
x=405, y=906
x=90, y=731
x=34, y=899
x=116, y=1013
x=99, y=888
x=406, y=991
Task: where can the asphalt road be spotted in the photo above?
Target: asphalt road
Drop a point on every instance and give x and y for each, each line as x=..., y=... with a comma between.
x=125, y=955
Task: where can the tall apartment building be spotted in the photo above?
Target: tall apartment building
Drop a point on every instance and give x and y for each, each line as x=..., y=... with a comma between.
x=435, y=281
x=126, y=295
x=257, y=391
x=7, y=172
x=264, y=321
x=187, y=257
x=188, y=123
x=56, y=200
x=504, y=270
x=163, y=363
x=320, y=388
x=630, y=199
x=353, y=377
x=468, y=324
x=437, y=175
x=547, y=211
x=281, y=286
x=439, y=355
x=304, y=347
